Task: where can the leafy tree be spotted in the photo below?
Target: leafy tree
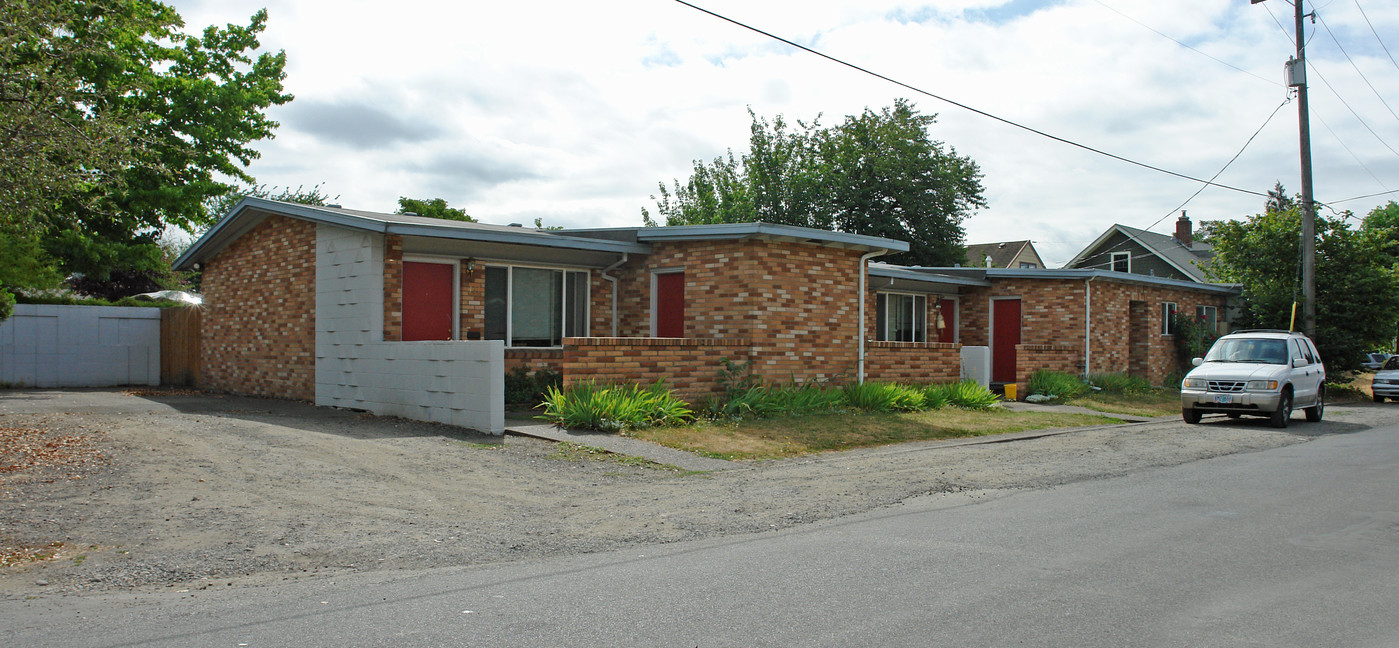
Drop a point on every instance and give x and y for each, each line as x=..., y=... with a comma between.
x=115, y=124
x=1358, y=298
x=434, y=208
x=877, y=173
x=1278, y=200
x=219, y=206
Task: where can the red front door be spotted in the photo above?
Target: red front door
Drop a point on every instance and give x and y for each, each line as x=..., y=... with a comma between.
x=1005, y=334
x=427, y=301
x=670, y=305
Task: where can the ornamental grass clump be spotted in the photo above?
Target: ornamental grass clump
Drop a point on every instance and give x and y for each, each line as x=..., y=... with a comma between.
x=970, y=395
x=1120, y=383
x=1056, y=385
x=764, y=401
x=884, y=397
x=614, y=408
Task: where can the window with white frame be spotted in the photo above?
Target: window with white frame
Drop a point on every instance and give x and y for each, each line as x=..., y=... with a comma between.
x=901, y=317
x=1121, y=261
x=535, y=307
x=1208, y=316
x=1168, y=318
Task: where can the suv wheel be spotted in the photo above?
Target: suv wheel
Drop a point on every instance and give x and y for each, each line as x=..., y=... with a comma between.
x=1314, y=412
x=1190, y=414
x=1280, y=417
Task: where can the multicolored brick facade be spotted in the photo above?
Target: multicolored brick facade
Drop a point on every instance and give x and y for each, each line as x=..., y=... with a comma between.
x=259, y=329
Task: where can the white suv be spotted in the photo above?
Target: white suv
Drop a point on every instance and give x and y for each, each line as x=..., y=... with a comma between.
x=1258, y=373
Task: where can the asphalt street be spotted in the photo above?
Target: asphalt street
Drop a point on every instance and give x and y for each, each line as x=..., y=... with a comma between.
x=1296, y=546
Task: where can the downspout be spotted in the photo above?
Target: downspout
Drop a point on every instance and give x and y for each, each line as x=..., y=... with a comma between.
x=1088, y=325
x=613, y=280
x=860, y=337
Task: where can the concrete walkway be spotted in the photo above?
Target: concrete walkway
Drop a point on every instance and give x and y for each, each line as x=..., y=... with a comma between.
x=1020, y=406
x=689, y=461
x=617, y=444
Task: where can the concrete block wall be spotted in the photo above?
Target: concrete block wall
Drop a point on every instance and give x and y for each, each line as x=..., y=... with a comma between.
x=80, y=346
x=454, y=382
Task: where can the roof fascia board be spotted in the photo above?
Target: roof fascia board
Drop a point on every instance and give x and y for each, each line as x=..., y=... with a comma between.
x=1108, y=275
x=895, y=272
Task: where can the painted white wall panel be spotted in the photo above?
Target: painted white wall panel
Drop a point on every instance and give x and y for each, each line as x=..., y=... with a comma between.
x=80, y=346
x=456, y=383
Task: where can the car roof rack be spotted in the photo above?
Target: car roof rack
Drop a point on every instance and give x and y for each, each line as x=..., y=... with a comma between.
x=1263, y=331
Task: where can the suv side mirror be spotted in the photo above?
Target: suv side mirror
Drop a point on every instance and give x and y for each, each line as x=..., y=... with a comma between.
x=1195, y=362
x=1299, y=362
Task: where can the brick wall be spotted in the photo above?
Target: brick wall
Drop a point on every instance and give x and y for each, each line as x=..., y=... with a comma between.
x=913, y=362
x=690, y=367
x=259, y=330
x=1052, y=313
x=534, y=359
x=795, y=302
x=393, y=287
x=1030, y=358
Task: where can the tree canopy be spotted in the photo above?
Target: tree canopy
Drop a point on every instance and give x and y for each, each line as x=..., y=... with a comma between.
x=115, y=124
x=1357, y=282
x=432, y=208
x=876, y=173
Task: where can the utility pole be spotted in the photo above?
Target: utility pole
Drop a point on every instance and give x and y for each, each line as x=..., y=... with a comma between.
x=1297, y=78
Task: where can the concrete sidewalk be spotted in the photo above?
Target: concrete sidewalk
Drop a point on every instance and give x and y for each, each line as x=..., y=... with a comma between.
x=617, y=444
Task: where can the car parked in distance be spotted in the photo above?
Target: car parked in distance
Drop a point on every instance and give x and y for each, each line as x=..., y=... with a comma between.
x=1373, y=361
x=1386, y=384
x=1256, y=373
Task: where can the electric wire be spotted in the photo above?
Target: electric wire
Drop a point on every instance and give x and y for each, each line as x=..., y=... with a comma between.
x=1357, y=67
x=1377, y=35
x=1352, y=153
x=1221, y=170
x=963, y=106
x=1348, y=107
x=1197, y=51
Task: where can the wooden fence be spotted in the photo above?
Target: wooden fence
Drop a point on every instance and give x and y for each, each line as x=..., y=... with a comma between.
x=179, y=346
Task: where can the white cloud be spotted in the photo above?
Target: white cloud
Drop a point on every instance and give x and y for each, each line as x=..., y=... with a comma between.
x=573, y=112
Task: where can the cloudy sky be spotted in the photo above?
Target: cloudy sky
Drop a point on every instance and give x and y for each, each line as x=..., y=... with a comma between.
x=573, y=111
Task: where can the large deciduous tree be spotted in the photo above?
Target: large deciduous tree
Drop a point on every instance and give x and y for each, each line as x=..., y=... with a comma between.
x=877, y=173
x=432, y=208
x=1357, y=282
x=114, y=124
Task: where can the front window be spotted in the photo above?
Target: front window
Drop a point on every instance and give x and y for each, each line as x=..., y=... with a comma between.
x=1207, y=316
x=1121, y=261
x=901, y=318
x=535, y=307
x=1168, y=318
x=1259, y=351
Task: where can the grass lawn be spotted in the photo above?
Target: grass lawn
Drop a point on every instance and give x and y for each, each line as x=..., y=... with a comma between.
x=790, y=437
x=1161, y=402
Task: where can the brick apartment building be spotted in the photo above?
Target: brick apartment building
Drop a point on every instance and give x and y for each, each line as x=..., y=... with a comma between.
x=406, y=315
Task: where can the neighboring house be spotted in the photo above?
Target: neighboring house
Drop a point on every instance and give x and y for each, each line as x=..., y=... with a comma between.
x=1127, y=249
x=421, y=317
x=1018, y=255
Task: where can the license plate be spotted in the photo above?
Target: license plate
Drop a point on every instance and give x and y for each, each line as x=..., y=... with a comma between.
x=1223, y=398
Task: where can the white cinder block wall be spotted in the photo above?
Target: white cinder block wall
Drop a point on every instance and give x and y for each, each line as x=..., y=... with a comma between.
x=80, y=346
x=459, y=383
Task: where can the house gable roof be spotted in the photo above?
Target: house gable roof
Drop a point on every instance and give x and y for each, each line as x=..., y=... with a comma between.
x=1190, y=261
x=1002, y=254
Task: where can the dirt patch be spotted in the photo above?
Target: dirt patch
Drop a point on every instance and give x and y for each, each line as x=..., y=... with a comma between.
x=191, y=491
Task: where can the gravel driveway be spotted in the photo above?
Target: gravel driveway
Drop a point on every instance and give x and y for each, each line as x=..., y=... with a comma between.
x=197, y=491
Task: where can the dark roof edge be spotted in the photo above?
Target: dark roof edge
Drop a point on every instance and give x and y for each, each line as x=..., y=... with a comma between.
x=731, y=231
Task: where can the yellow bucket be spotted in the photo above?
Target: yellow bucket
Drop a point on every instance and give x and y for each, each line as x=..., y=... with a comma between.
x=1010, y=391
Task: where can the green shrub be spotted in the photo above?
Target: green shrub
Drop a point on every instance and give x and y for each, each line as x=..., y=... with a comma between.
x=936, y=397
x=1121, y=383
x=968, y=394
x=884, y=397
x=614, y=408
x=766, y=402
x=1056, y=384
x=528, y=388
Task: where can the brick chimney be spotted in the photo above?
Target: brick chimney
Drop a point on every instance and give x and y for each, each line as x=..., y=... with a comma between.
x=1183, y=230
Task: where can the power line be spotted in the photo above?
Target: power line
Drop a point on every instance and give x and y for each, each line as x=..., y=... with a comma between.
x=1352, y=153
x=960, y=105
x=1348, y=107
x=1352, y=64
x=1177, y=42
x=1377, y=35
